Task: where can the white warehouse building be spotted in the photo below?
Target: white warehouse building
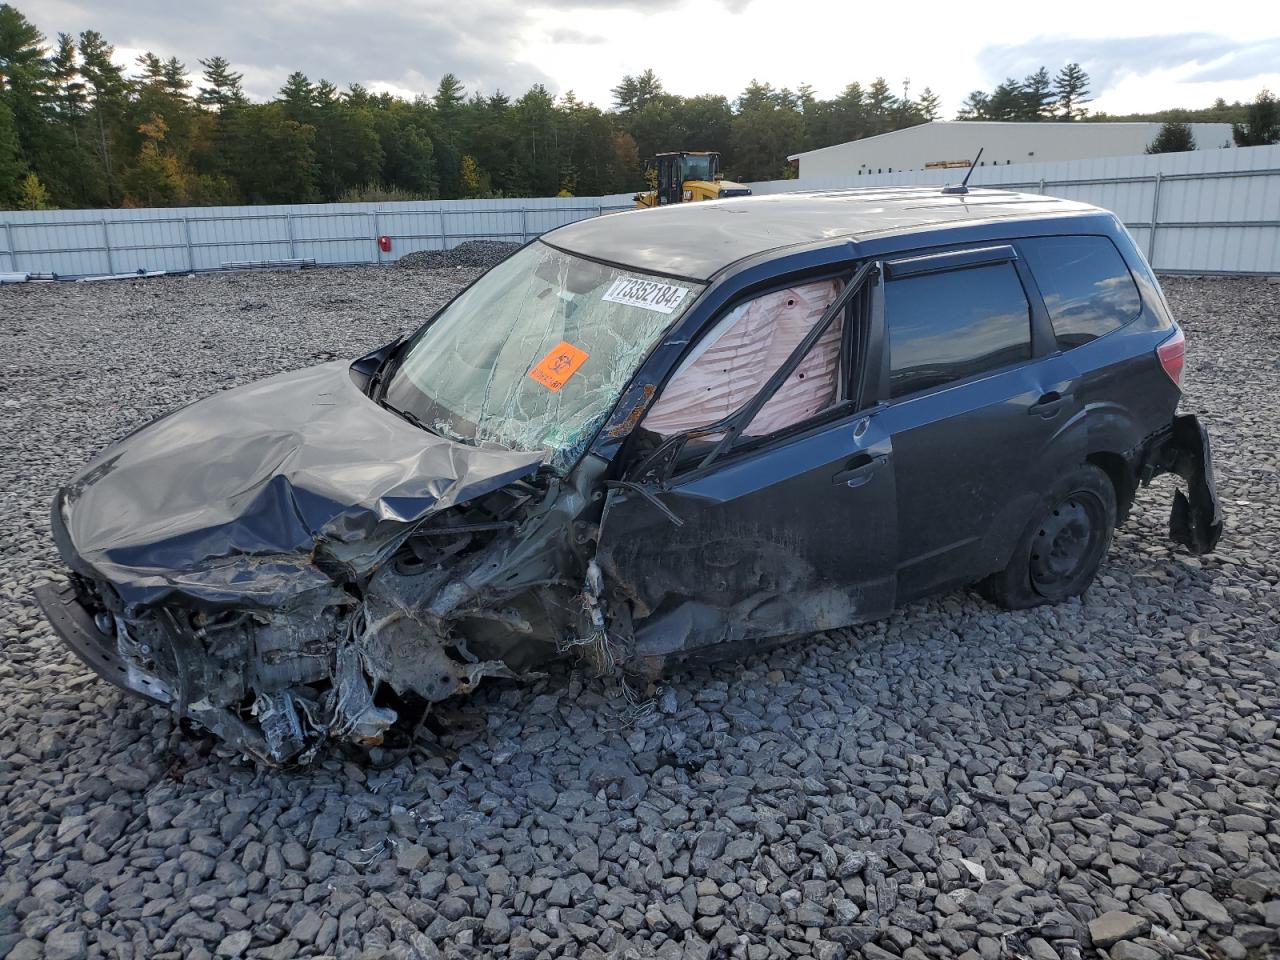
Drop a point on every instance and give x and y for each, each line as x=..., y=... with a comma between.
x=954, y=143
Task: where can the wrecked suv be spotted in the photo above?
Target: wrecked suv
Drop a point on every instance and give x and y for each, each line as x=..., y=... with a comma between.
x=643, y=438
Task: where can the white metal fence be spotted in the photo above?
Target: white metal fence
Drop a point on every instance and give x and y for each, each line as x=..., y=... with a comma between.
x=1210, y=211
x=76, y=243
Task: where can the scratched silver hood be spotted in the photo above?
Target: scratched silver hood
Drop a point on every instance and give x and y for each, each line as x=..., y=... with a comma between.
x=250, y=495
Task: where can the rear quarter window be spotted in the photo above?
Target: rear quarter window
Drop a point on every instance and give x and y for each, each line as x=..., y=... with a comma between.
x=1087, y=287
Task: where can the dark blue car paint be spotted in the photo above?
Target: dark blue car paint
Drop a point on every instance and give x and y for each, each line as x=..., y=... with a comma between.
x=958, y=470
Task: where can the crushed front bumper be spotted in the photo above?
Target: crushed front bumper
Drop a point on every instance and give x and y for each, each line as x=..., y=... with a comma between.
x=79, y=631
x=1183, y=450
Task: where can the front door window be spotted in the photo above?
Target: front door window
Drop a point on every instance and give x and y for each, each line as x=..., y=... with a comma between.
x=736, y=358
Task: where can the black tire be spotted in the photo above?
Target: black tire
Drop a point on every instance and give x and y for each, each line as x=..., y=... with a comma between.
x=1059, y=553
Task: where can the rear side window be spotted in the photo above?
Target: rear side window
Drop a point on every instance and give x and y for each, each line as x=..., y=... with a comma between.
x=949, y=326
x=1087, y=288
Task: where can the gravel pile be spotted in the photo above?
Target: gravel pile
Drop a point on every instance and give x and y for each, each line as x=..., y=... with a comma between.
x=954, y=782
x=475, y=254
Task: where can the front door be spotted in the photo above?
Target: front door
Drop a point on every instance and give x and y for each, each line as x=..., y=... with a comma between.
x=793, y=530
x=788, y=539
x=669, y=182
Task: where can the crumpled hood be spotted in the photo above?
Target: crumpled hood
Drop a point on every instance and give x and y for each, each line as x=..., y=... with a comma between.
x=227, y=499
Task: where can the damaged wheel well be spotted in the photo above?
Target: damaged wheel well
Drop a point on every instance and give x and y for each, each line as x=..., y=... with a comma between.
x=1122, y=478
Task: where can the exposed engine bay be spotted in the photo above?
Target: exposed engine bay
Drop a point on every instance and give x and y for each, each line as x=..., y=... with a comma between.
x=477, y=591
x=291, y=561
x=331, y=563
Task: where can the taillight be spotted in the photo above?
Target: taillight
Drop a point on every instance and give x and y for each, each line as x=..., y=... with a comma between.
x=1172, y=353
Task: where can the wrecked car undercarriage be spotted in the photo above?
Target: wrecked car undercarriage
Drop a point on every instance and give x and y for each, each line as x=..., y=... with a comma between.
x=580, y=457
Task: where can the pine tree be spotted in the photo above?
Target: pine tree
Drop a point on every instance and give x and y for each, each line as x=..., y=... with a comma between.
x=75, y=179
x=152, y=68
x=107, y=88
x=1174, y=137
x=633, y=94
x=297, y=96
x=930, y=104
x=11, y=165
x=450, y=94
x=347, y=151
x=880, y=105
x=848, y=117
x=25, y=81
x=175, y=80
x=159, y=132
x=768, y=122
x=1071, y=86
x=1007, y=101
x=69, y=96
x=1038, y=96
x=538, y=146
x=408, y=155
x=1261, y=124
x=221, y=85
x=976, y=106
x=271, y=156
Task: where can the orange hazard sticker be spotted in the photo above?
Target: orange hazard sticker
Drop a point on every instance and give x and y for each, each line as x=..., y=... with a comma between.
x=554, y=370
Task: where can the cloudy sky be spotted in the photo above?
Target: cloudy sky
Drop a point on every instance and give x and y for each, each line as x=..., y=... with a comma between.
x=1141, y=56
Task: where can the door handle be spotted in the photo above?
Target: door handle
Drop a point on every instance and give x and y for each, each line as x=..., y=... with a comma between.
x=1048, y=405
x=859, y=470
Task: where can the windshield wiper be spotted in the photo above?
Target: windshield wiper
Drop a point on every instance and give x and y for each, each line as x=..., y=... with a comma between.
x=381, y=377
x=409, y=416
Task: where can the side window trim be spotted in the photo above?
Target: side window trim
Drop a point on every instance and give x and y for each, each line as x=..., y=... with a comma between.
x=913, y=266
x=1043, y=341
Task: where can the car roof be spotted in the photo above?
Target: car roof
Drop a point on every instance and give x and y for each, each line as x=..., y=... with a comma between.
x=697, y=240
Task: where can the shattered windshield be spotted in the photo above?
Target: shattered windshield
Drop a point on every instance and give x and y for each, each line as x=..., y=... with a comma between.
x=534, y=355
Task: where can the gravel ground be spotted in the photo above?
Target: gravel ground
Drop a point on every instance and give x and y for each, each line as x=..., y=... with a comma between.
x=955, y=781
x=480, y=254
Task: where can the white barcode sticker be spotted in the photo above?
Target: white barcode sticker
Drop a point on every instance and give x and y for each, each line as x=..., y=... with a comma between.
x=647, y=294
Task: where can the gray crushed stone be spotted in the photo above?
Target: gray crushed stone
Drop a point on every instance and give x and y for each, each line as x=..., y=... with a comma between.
x=471, y=254
x=954, y=782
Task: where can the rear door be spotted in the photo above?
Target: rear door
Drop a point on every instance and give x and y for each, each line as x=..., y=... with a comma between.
x=979, y=408
x=739, y=531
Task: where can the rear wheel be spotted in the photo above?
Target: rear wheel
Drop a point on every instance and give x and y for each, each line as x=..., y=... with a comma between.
x=1059, y=553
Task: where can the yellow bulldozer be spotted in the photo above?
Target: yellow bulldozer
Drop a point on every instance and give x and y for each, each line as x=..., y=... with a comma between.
x=686, y=176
